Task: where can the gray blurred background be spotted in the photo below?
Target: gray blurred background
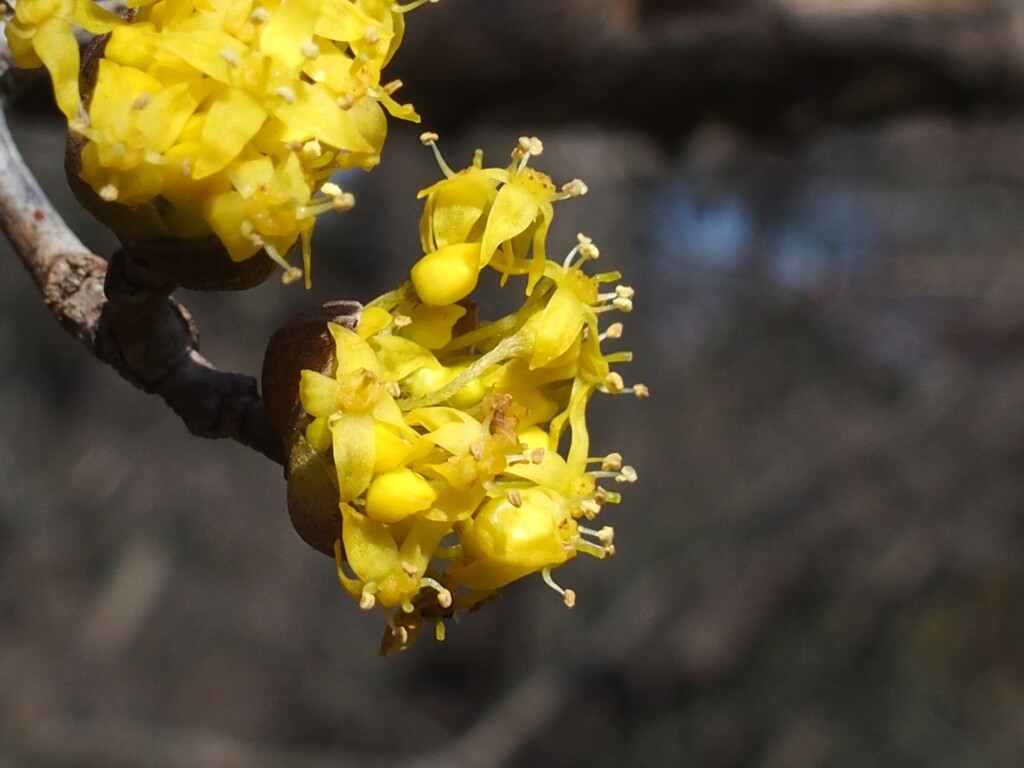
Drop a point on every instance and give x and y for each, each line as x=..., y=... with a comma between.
x=821, y=206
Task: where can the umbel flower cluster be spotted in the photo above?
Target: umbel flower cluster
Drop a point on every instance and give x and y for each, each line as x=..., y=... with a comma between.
x=461, y=448
x=222, y=117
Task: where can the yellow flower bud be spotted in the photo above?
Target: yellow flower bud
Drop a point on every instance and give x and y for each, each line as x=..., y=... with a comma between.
x=395, y=495
x=448, y=274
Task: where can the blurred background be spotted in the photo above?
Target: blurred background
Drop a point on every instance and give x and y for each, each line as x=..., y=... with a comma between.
x=821, y=206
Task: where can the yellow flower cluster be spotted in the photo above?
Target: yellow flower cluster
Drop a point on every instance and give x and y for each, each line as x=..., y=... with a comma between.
x=228, y=116
x=445, y=431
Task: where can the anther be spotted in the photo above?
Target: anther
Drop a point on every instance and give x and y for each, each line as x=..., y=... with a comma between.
x=568, y=595
x=626, y=475
x=612, y=462
x=109, y=193
x=401, y=321
x=537, y=455
x=623, y=304
x=312, y=150
x=428, y=137
x=367, y=601
x=394, y=85
x=393, y=389
x=515, y=498
x=287, y=94
x=309, y=50
x=575, y=188
x=590, y=508
x=613, y=381
x=371, y=35
x=345, y=102
x=409, y=568
x=141, y=101
x=258, y=16
x=230, y=57
x=477, y=451
x=614, y=332
x=641, y=391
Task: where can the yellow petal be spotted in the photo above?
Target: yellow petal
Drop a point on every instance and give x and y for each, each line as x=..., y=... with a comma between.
x=514, y=209
x=231, y=121
x=353, y=452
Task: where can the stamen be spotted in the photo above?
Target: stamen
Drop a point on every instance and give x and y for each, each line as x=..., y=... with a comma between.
x=367, y=600
x=312, y=150
x=568, y=596
x=309, y=50
x=287, y=94
x=614, y=383
x=394, y=85
x=641, y=391
x=612, y=462
x=574, y=188
x=444, y=596
x=409, y=568
x=393, y=388
x=258, y=16
x=430, y=139
x=345, y=102
x=371, y=35
x=109, y=193
x=230, y=57
x=614, y=332
x=626, y=475
x=515, y=498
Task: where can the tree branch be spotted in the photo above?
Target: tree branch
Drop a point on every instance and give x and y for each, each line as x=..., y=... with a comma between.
x=124, y=316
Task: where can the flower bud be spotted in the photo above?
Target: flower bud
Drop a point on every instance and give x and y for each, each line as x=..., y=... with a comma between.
x=304, y=342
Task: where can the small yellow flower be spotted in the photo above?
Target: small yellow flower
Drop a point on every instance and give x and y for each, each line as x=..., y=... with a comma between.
x=504, y=212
